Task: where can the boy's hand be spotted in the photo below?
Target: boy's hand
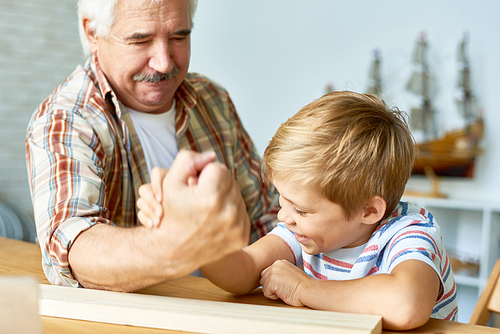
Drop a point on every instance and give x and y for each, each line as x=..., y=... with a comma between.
x=283, y=280
x=149, y=204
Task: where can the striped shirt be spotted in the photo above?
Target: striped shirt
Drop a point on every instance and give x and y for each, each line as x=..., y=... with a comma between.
x=85, y=162
x=409, y=233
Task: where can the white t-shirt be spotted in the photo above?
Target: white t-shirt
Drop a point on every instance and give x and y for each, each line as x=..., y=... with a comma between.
x=156, y=133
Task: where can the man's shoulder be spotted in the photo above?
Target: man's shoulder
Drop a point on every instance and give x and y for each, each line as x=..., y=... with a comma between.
x=193, y=77
x=74, y=93
x=201, y=83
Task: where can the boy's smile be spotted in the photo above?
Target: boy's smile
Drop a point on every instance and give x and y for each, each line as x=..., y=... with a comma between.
x=301, y=238
x=319, y=224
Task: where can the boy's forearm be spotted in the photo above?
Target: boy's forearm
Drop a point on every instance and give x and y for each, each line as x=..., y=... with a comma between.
x=239, y=272
x=235, y=273
x=404, y=301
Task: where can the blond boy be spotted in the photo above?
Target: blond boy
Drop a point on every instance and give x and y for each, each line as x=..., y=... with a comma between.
x=341, y=165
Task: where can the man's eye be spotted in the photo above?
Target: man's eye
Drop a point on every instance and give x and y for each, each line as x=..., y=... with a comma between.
x=140, y=42
x=179, y=38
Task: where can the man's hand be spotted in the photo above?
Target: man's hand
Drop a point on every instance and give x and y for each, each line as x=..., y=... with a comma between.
x=283, y=280
x=149, y=204
x=203, y=214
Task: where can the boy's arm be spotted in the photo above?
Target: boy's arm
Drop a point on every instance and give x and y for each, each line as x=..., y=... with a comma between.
x=239, y=272
x=404, y=298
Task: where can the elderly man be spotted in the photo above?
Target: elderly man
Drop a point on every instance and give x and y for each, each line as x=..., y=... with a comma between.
x=97, y=138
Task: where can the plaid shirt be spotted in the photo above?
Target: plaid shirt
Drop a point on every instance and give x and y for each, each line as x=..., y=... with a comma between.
x=85, y=162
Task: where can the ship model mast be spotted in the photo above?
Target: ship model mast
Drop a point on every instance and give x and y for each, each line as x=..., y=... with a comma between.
x=467, y=102
x=421, y=84
x=375, y=86
x=454, y=153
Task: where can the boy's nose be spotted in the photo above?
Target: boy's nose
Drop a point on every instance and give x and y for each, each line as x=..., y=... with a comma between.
x=284, y=218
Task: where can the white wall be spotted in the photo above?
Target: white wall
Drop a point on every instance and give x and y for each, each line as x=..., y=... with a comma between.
x=39, y=48
x=276, y=56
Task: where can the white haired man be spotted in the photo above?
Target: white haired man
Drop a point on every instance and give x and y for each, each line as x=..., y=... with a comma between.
x=99, y=136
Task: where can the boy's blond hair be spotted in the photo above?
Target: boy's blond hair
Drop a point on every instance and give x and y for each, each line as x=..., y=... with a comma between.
x=349, y=146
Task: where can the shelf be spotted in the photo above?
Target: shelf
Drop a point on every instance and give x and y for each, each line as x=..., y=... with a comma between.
x=453, y=203
x=467, y=280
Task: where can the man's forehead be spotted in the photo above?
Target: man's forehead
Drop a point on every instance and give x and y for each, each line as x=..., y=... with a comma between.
x=139, y=14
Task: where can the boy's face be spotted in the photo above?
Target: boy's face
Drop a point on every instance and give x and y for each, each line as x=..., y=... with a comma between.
x=318, y=224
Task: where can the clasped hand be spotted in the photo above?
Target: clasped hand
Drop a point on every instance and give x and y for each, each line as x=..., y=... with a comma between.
x=199, y=204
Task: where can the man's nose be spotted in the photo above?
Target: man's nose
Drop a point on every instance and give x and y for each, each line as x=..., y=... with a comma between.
x=160, y=59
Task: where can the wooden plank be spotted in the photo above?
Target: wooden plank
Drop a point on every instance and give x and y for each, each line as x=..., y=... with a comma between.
x=200, y=316
x=19, y=306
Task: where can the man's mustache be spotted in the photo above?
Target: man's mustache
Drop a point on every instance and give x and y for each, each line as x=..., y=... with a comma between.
x=157, y=76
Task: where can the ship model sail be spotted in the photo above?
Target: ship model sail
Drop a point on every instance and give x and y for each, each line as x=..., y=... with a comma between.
x=421, y=83
x=454, y=153
x=375, y=85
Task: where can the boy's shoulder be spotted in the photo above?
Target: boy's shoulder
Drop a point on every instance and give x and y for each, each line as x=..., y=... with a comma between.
x=408, y=210
x=406, y=215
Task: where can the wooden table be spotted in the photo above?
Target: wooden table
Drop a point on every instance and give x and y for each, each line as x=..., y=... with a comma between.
x=19, y=258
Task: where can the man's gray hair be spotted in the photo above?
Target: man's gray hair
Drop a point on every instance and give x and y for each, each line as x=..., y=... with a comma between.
x=102, y=13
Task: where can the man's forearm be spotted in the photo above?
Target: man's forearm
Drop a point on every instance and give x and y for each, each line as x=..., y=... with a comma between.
x=122, y=259
x=203, y=222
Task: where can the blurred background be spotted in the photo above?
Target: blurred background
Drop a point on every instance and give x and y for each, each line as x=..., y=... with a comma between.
x=274, y=57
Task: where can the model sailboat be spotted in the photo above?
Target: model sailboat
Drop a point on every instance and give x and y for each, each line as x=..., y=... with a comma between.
x=454, y=153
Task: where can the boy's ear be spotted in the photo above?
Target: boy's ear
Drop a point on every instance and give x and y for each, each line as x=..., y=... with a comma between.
x=374, y=210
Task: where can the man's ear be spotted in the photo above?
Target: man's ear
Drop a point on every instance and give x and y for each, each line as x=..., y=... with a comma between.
x=374, y=210
x=90, y=33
